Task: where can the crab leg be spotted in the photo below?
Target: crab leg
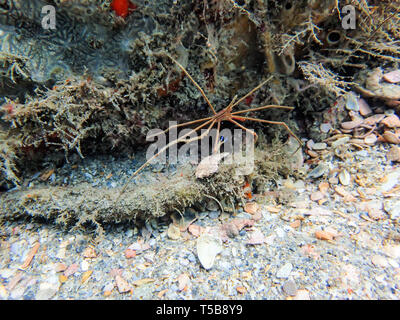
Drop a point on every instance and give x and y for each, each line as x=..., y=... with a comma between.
x=252, y=91
x=263, y=108
x=270, y=122
x=181, y=139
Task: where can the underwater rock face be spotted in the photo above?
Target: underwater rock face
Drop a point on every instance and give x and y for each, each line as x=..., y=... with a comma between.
x=79, y=43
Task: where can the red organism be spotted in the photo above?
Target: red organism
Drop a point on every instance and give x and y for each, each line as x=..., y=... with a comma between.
x=123, y=7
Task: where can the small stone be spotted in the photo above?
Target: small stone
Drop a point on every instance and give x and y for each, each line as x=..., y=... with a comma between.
x=392, y=77
x=350, y=125
x=325, y=127
x=302, y=295
x=390, y=180
x=391, y=137
x=295, y=224
x=71, y=270
x=365, y=110
x=340, y=141
x=323, y=235
x=318, y=171
x=380, y=261
x=320, y=146
x=315, y=196
x=251, y=207
x=89, y=252
x=214, y=214
x=323, y=187
x=122, y=285
x=392, y=121
x=310, y=144
x=393, y=154
x=392, y=207
x=290, y=288
x=351, y=102
x=47, y=290
x=129, y=253
x=86, y=275
x=173, y=232
x=62, y=278
x=3, y=292
x=241, y=290
x=60, y=267
x=183, y=281
x=344, y=177
x=371, y=139
x=85, y=265
x=284, y=271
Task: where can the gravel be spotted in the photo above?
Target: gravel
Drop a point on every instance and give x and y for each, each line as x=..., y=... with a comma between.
x=361, y=262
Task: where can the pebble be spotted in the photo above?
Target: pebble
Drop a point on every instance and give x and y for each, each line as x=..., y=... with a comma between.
x=340, y=141
x=344, y=177
x=284, y=271
x=379, y=261
x=214, y=214
x=122, y=285
x=317, y=195
x=290, y=288
x=319, y=146
x=325, y=127
x=393, y=154
x=365, y=110
x=392, y=208
x=352, y=102
x=47, y=291
x=318, y=171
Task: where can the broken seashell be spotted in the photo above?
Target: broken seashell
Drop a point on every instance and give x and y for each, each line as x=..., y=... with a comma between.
x=349, y=125
x=370, y=139
x=391, y=121
x=208, y=247
x=365, y=110
x=209, y=165
x=393, y=154
x=392, y=77
x=376, y=118
x=344, y=177
x=391, y=137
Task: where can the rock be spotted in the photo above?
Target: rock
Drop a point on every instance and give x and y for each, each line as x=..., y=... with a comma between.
x=391, y=137
x=340, y=142
x=317, y=195
x=323, y=235
x=325, y=127
x=375, y=119
x=209, y=165
x=393, y=154
x=256, y=237
x=302, y=295
x=392, y=121
x=371, y=139
x=71, y=270
x=350, y=125
x=173, y=232
x=319, y=146
x=86, y=275
x=392, y=207
x=351, y=102
x=47, y=290
x=365, y=110
x=392, y=77
x=290, y=288
x=122, y=285
x=251, y=207
x=195, y=229
x=318, y=171
x=129, y=253
x=85, y=265
x=208, y=247
x=89, y=252
x=284, y=271
x=344, y=177
x=183, y=281
x=379, y=261
x=390, y=180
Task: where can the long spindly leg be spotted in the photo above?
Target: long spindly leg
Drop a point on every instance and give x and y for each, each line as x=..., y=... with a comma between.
x=263, y=108
x=179, y=125
x=181, y=139
x=281, y=123
x=195, y=83
x=216, y=144
x=252, y=91
x=244, y=128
